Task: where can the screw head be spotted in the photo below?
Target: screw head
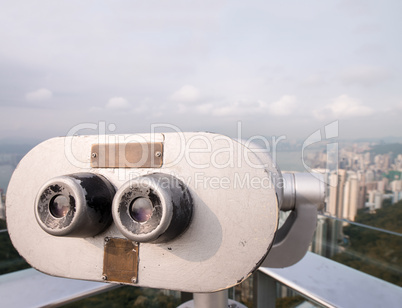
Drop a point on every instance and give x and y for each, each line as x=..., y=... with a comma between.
x=134, y=280
x=104, y=277
x=107, y=239
x=158, y=154
x=93, y=155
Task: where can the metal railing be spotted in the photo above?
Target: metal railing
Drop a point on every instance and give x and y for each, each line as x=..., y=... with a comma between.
x=318, y=279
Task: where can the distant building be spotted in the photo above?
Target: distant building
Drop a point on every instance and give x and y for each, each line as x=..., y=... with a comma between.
x=346, y=194
x=371, y=186
x=375, y=199
x=396, y=185
x=398, y=162
x=362, y=190
x=397, y=196
x=367, y=158
x=383, y=185
x=350, y=196
x=370, y=176
x=336, y=192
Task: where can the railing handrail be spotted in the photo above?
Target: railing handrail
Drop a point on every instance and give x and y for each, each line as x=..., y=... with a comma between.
x=332, y=284
x=360, y=224
x=30, y=288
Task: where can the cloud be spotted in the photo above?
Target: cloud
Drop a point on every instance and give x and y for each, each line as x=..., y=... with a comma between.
x=343, y=107
x=205, y=108
x=118, y=103
x=186, y=94
x=39, y=95
x=240, y=108
x=284, y=106
x=364, y=75
x=226, y=109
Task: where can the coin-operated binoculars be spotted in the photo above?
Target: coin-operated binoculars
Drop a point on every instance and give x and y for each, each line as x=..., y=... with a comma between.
x=194, y=212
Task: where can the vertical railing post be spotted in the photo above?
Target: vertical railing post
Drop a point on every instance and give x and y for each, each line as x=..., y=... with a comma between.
x=208, y=300
x=264, y=289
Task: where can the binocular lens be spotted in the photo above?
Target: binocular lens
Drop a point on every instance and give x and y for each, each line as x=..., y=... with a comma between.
x=141, y=209
x=76, y=205
x=59, y=206
x=153, y=208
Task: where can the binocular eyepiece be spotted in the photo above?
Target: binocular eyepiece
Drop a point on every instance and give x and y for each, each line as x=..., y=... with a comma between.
x=77, y=205
x=151, y=208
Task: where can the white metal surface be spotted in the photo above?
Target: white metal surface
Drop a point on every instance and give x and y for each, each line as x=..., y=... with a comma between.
x=30, y=288
x=232, y=227
x=335, y=285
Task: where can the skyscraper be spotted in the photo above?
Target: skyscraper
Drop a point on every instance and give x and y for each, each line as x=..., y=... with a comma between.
x=350, y=196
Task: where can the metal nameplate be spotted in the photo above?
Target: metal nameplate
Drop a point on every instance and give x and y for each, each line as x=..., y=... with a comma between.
x=127, y=155
x=120, y=260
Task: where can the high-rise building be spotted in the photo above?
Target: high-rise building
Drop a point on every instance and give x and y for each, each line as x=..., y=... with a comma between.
x=332, y=193
x=362, y=190
x=382, y=185
x=397, y=196
x=336, y=193
x=350, y=196
x=396, y=185
x=370, y=176
x=331, y=232
x=375, y=199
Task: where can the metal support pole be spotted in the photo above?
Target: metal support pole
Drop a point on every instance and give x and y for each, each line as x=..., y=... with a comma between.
x=264, y=290
x=209, y=300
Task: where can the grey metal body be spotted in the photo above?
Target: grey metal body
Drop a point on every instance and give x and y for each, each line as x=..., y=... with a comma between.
x=205, y=300
x=232, y=225
x=304, y=195
x=303, y=188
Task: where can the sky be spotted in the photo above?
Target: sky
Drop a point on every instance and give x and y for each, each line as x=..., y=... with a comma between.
x=279, y=68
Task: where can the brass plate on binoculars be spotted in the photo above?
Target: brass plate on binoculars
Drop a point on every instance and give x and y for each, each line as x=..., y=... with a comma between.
x=120, y=260
x=127, y=155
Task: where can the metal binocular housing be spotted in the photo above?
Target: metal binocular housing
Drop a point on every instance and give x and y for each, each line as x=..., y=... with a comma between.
x=195, y=212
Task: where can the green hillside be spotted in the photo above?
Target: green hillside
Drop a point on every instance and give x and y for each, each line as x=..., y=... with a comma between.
x=395, y=148
x=374, y=252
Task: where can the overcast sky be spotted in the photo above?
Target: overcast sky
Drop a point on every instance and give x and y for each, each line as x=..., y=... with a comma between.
x=281, y=68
